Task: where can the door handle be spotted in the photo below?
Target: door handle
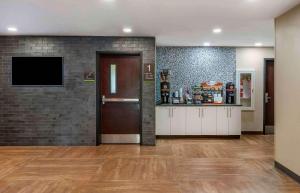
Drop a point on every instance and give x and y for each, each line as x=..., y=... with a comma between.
x=119, y=100
x=267, y=98
x=103, y=99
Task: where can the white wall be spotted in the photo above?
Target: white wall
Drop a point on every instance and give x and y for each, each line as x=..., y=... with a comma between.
x=248, y=58
x=287, y=90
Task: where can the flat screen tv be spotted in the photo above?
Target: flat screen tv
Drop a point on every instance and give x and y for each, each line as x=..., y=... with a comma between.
x=37, y=71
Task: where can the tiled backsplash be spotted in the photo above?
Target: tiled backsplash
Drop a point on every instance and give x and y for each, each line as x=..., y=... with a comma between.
x=192, y=65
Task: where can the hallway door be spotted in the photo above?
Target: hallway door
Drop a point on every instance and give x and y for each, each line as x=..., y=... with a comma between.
x=120, y=88
x=269, y=97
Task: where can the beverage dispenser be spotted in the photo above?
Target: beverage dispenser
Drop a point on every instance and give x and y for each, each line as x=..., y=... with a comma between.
x=165, y=87
x=230, y=93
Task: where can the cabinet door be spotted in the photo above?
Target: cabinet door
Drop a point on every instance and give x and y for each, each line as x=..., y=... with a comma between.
x=209, y=120
x=193, y=121
x=235, y=121
x=163, y=120
x=222, y=120
x=178, y=120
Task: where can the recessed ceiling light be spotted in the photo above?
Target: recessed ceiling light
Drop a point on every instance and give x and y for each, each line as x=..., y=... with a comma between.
x=217, y=30
x=206, y=44
x=258, y=44
x=127, y=30
x=12, y=29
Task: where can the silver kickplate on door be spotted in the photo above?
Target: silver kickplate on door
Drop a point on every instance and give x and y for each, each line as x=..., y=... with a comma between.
x=120, y=138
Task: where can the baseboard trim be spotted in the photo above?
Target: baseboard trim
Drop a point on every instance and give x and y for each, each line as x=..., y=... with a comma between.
x=287, y=171
x=252, y=132
x=198, y=136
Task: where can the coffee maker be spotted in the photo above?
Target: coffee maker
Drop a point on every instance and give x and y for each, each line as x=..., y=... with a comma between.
x=230, y=93
x=164, y=86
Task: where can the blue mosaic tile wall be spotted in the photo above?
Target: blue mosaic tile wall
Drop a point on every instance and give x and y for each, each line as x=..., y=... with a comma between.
x=192, y=65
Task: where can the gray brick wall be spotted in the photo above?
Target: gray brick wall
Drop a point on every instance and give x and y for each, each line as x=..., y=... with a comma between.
x=64, y=115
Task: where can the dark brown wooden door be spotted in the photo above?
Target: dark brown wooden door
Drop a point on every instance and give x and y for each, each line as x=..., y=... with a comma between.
x=120, y=92
x=269, y=93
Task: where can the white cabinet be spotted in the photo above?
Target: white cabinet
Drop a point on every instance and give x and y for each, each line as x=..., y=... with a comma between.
x=170, y=120
x=201, y=121
x=222, y=121
x=234, y=121
x=246, y=88
x=178, y=120
x=209, y=123
x=163, y=121
x=204, y=120
x=229, y=121
x=193, y=120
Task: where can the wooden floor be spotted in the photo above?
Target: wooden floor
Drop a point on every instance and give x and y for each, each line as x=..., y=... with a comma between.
x=173, y=166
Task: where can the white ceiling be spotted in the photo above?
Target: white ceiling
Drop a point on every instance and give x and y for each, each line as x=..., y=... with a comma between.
x=172, y=22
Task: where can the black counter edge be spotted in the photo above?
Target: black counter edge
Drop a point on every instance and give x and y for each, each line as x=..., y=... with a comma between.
x=198, y=136
x=198, y=105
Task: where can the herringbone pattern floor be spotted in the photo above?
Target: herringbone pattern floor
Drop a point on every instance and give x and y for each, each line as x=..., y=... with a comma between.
x=173, y=166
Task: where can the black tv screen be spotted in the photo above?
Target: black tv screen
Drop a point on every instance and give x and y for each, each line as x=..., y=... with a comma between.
x=37, y=71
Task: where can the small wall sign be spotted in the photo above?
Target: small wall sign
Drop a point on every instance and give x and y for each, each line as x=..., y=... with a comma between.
x=89, y=77
x=149, y=72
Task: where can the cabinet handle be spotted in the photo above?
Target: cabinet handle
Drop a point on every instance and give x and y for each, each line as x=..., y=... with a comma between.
x=230, y=112
x=172, y=112
x=169, y=112
x=202, y=112
x=199, y=112
x=227, y=112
